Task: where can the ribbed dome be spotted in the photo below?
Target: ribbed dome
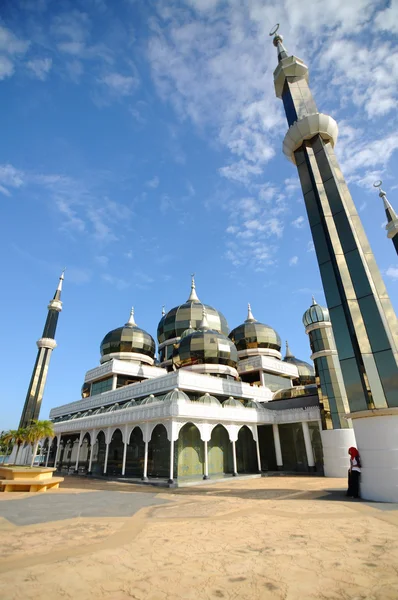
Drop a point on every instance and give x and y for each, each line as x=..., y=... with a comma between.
x=128, y=340
x=315, y=314
x=252, y=334
x=296, y=392
x=232, y=402
x=305, y=370
x=209, y=400
x=189, y=316
x=176, y=395
x=205, y=346
x=150, y=399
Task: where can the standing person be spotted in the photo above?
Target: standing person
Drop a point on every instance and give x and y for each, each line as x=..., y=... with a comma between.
x=354, y=473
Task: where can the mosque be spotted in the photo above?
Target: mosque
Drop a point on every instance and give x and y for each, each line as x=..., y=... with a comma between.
x=215, y=402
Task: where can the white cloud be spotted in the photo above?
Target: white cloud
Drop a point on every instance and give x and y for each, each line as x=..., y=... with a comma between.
x=293, y=261
x=121, y=85
x=6, y=67
x=299, y=222
x=102, y=260
x=10, y=43
x=154, y=182
x=310, y=246
x=117, y=282
x=392, y=272
x=387, y=19
x=40, y=67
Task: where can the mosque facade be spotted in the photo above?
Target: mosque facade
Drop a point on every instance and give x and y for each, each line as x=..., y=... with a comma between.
x=214, y=402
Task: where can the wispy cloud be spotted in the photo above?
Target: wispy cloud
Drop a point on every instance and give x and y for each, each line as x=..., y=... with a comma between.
x=117, y=282
x=40, y=67
x=293, y=261
x=154, y=182
x=299, y=222
x=119, y=84
x=392, y=272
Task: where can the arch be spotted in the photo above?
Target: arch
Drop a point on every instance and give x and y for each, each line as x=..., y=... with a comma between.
x=98, y=450
x=86, y=433
x=115, y=452
x=220, y=451
x=246, y=452
x=135, y=453
x=131, y=429
x=189, y=452
x=159, y=452
x=103, y=431
x=112, y=430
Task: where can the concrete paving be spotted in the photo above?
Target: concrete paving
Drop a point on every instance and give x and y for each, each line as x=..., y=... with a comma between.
x=284, y=538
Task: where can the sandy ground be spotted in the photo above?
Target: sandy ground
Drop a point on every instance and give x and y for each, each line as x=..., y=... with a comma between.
x=278, y=537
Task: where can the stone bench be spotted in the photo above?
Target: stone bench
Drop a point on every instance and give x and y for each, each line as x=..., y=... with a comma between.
x=30, y=485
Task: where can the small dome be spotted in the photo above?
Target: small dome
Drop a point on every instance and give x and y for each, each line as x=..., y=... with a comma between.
x=129, y=339
x=176, y=395
x=187, y=332
x=150, y=399
x=205, y=346
x=254, y=404
x=188, y=316
x=306, y=371
x=209, y=400
x=315, y=314
x=232, y=402
x=252, y=334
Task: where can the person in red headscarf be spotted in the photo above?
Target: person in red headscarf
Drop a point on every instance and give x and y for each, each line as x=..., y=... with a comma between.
x=354, y=473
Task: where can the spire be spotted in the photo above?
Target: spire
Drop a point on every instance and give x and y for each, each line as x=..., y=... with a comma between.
x=163, y=311
x=57, y=295
x=314, y=302
x=204, y=323
x=390, y=212
x=193, y=296
x=278, y=43
x=288, y=353
x=250, y=318
x=131, y=322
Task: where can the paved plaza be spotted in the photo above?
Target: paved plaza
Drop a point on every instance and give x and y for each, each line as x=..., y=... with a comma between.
x=286, y=538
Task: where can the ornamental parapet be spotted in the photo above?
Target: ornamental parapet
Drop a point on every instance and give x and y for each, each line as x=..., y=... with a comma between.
x=305, y=129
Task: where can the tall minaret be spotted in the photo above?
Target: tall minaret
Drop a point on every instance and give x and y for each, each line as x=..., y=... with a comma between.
x=392, y=218
x=46, y=345
x=364, y=322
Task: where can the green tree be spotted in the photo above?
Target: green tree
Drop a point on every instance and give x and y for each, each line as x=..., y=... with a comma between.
x=8, y=439
x=36, y=431
x=19, y=439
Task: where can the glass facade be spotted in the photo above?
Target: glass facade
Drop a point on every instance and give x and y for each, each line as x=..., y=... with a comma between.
x=246, y=452
x=219, y=450
x=296, y=392
x=159, y=453
x=189, y=452
x=267, y=448
x=293, y=447
x=255, y=335
x=275, y=382
x=99, y=387
x=128, y=339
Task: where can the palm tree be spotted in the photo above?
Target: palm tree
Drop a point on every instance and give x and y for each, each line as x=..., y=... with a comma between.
x=35, y=432
x=8, y=438
x=19, y=439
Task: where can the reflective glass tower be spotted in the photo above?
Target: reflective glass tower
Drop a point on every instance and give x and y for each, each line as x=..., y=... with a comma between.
x=364, y=322
x=46, y=345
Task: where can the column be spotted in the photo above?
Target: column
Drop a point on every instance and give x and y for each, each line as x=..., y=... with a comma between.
x=106, y=457
x=57, y=451
x=234, y=458
x=77, y=456
x=258, y=452
x=124, y=458
x=114, y=382
x=206, y=475
x=278, y=449
x=171, y=480
x=145, y=474
x=308, y=446
x=48, y=452
x=90, y=462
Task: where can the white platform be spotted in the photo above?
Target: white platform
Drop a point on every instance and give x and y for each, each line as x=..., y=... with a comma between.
x=376, y=432
x=336, y=442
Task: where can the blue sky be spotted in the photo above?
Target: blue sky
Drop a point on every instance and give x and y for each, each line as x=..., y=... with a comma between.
x=141, y=141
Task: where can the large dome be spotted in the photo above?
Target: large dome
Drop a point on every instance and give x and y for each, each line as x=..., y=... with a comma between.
x=306, y=372
x=315, y=314
x=189, y=316
x=205, y=347
x=129, y=342
x=254, y=335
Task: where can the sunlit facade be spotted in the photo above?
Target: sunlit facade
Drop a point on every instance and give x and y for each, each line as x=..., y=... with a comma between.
x=211, y=403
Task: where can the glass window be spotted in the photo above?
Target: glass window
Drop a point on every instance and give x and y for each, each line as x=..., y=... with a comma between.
x=99, y=387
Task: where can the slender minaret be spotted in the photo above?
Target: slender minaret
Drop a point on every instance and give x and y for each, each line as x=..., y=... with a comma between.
x=364, y=322
x=392, y=218
x=46, y=345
